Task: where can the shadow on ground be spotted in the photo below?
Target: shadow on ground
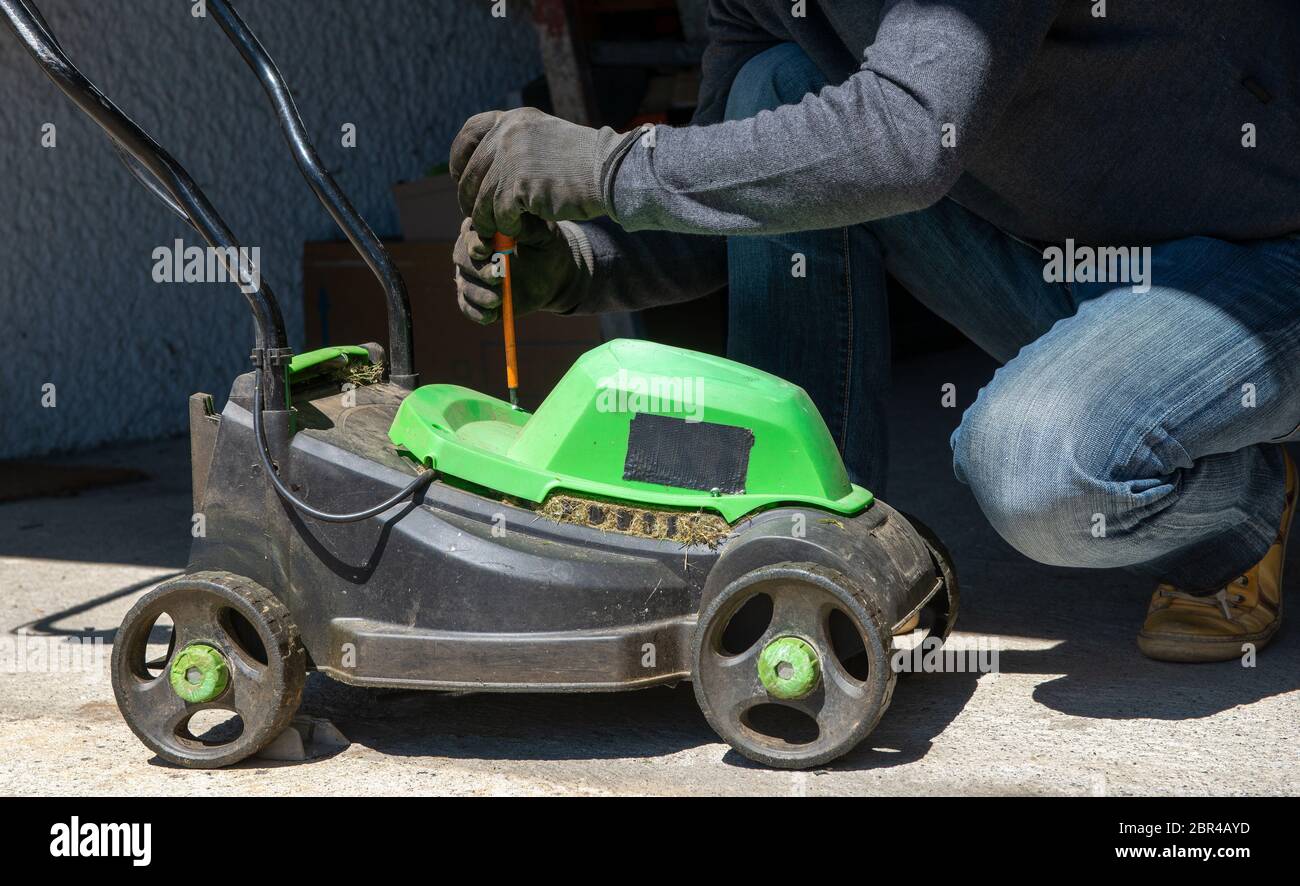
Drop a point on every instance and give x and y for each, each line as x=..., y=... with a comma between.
x=142, y=522
x=648, y=723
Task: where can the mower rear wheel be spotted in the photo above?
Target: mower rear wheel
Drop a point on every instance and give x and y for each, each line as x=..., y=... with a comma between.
x=234, y=650
x=792, y=665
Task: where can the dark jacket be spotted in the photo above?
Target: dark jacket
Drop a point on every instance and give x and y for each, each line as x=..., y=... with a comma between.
x=1122, y=129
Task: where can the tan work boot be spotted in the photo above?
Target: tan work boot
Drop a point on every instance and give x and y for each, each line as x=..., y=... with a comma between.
x=1182, y=627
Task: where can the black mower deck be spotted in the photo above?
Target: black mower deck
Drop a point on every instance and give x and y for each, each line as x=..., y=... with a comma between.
x=465, y=590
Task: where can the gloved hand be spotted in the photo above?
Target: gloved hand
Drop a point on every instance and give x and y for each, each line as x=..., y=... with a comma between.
x=510, y=163
x=550, y=267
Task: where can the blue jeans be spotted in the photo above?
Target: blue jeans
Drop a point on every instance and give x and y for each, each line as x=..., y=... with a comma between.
x=1124, y=428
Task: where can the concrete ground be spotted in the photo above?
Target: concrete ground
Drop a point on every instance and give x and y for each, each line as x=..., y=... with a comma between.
x=1074, y=709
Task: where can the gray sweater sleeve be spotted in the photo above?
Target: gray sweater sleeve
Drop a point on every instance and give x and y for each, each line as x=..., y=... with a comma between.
x=892, y=138
x=629, y=272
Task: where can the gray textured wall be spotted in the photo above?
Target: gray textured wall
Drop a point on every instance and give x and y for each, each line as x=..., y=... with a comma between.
x=78, y=305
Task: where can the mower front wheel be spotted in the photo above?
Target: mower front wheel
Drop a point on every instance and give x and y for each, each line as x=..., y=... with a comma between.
x=234, y=650
x=792, y=665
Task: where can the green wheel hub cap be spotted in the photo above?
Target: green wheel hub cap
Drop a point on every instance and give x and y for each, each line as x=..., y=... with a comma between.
x=788, y=668
x=199, y=673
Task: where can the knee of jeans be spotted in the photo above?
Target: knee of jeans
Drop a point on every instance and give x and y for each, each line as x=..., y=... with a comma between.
x=782, y=75
x=1045, y=484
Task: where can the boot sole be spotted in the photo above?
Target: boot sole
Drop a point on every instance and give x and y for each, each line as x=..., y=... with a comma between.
x=1192, y=649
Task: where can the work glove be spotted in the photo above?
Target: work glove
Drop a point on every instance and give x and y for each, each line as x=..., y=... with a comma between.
x=548, y=272
x=508, y=164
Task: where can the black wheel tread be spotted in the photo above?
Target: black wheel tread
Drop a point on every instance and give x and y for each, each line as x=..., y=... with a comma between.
x=286, y=647
x=868, y=606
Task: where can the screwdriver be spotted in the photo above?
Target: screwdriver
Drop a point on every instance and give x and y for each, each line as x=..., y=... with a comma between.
x=505, y=247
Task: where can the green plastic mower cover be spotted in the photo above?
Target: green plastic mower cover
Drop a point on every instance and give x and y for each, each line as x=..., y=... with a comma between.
x=577, y=441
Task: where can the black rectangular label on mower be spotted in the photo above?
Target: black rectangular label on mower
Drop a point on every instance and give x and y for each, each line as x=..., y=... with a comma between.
x=687, y=454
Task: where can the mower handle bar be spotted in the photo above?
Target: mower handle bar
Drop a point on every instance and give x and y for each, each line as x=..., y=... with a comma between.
x=331, y=196
x=134, y=166
x=167, y=180
x=157, y=170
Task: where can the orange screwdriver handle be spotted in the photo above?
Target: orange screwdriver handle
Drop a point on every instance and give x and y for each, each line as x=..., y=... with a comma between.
x=505, y=247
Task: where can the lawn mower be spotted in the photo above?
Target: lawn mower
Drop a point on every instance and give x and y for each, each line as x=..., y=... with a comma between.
x=663, y=515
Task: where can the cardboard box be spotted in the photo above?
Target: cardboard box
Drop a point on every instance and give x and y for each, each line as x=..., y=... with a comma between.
x=344, y=304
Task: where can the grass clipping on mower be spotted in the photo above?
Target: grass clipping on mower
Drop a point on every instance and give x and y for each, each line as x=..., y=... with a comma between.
x=361, y=374
x=688, y=528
